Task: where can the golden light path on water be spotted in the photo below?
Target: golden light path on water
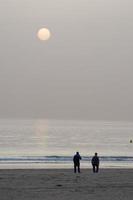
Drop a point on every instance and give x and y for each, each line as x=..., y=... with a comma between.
x=41, y=128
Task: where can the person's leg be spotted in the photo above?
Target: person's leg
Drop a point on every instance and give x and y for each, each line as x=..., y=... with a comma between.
x=93, y=168
x=78, y=168
x=74, y=168
x=97, y=168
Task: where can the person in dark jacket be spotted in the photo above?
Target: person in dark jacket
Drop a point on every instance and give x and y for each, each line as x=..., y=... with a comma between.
x=76, y=161
x=95, y=163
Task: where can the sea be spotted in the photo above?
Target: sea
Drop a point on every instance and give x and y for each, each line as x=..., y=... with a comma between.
x=44, y=143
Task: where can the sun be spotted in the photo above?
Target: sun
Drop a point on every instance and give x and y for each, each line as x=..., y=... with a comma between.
x=44, y=34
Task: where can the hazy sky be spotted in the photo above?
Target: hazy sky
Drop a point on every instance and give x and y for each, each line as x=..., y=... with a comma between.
x=85, y=71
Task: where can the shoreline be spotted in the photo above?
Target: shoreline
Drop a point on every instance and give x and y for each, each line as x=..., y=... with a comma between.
x=63, y=166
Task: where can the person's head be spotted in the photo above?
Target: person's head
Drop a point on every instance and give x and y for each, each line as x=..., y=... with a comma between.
x=77, y=153
x=95, y=154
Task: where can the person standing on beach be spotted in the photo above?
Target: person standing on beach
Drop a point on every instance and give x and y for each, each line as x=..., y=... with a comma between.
x=95, y=163
x=76, y=161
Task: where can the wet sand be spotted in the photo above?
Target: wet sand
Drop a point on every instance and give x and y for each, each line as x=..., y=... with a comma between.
x=63, y=184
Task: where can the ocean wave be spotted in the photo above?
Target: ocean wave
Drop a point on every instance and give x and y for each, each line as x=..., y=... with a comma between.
x=61, y=159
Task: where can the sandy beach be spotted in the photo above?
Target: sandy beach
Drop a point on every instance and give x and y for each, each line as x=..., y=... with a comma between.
x=49, y=184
